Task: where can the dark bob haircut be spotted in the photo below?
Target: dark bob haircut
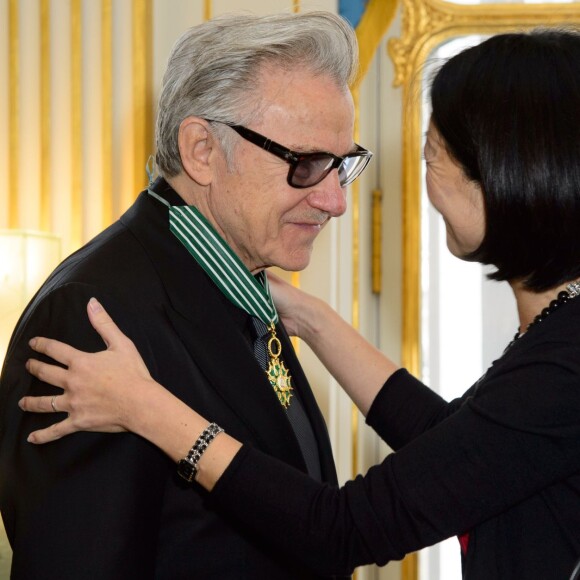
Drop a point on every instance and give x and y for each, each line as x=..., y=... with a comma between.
x=509, y=112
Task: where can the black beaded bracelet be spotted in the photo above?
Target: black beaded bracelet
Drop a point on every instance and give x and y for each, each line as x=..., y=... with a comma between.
x=187, y=467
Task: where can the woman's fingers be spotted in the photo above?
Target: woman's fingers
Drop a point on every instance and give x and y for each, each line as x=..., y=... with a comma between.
x=96, y=385
x=47, y=404
x=52, y=433
x=47, y=373
x=43, y=404
x=114, y=337
x=56, y=350
x=104, y=324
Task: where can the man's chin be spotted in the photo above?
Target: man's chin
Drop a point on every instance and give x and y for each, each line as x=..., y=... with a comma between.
x=295, y=262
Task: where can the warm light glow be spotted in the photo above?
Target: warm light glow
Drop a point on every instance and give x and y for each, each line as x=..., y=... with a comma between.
x=26, y=259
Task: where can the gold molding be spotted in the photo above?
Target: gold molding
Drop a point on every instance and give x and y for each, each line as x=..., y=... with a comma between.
x=428, y=23
x=76, y=114
x=207, y=10
x=374, y=23
x=14, y=113
x=295, y=6
x=425, y=25
x=107, y=109
x=45, y=117
x=376, y=233
x=142, y=91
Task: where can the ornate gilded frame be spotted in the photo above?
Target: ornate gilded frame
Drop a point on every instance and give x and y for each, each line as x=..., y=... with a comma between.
x=425, y=25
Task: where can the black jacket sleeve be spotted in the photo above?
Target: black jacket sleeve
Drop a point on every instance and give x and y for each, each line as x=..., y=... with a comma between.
x=81, y=507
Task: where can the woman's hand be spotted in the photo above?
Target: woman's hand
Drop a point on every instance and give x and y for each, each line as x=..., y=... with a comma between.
x=359, y=367
x=295, y=307
x=99, y=389
x=111, y=391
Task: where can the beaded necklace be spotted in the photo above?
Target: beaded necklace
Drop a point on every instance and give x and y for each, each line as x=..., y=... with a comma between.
x=571, y=292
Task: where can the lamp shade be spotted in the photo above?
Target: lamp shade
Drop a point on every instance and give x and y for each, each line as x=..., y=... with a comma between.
x=26, y=259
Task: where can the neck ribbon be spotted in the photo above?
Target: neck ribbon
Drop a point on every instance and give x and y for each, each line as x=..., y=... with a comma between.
x=230, y=275
x=220, y=263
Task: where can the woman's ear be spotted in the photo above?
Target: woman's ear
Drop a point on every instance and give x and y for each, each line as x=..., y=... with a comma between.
x=195, y=147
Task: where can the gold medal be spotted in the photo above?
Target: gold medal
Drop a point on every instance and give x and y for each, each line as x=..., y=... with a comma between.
x=278, y=374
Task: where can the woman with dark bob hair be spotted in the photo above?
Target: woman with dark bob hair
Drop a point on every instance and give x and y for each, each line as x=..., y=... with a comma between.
x=500, y=466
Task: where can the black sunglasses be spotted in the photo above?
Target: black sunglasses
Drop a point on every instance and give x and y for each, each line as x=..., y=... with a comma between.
x=308, y=169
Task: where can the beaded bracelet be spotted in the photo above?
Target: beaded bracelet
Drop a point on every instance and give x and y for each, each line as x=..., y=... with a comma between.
x=187, y=467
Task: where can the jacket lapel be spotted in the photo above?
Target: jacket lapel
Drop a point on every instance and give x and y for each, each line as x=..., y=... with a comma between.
x=311, y=408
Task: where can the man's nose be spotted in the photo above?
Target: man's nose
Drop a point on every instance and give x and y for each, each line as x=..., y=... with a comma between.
x=329, y=196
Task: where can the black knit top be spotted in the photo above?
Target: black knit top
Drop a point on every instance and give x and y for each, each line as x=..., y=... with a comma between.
x=501, y=463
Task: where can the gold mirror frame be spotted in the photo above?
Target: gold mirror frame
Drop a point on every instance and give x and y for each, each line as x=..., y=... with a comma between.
x=425, y=25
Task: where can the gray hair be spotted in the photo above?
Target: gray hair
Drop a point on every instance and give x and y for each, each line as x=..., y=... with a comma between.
x=214, y=67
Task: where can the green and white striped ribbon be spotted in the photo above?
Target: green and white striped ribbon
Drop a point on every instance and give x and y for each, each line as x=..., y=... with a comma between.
x=220, y=263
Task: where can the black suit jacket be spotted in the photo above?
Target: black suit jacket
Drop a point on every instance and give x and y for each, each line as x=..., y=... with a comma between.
x=110, y=506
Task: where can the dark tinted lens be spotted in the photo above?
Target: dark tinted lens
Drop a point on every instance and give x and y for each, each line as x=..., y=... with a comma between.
x=311, y=169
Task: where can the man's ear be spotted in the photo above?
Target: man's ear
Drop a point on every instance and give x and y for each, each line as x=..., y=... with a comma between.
x=196, y=144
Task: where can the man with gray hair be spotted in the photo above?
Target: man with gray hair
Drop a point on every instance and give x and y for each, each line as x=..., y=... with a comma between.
x=254, y=152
